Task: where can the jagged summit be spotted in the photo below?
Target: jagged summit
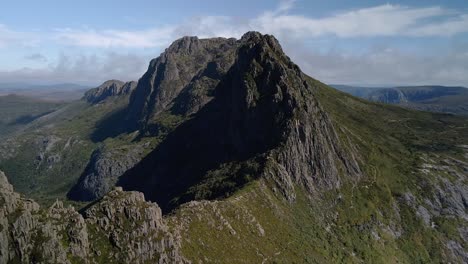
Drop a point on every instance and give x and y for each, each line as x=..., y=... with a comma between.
x=108, y=89
x=191, y=67
x=250, y=107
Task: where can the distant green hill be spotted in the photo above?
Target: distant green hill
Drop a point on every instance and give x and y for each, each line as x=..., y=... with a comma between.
x=52, y=92
x=17, y=111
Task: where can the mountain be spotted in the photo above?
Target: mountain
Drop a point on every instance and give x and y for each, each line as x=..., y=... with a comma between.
x=108, y=89
x=262, y=103
x=245, y=159
x=433, y=98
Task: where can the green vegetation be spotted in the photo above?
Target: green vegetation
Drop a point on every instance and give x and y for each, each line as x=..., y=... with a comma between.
x=51, y=155
x=366, y=220
x=18, y=111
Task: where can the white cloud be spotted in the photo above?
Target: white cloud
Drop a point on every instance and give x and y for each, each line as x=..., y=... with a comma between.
x=449, y=27
x=115, y=38
x=10, y=38
x=88, y=69
x=382, y=66
x=384, y=20
x=36, y=57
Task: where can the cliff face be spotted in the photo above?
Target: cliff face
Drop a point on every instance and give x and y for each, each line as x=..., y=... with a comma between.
x=108, y=89
x=263, y=118
x=122, y=227
x=102, y=172
x=191, y=68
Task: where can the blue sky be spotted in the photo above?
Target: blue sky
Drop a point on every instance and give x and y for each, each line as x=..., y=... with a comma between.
x=354, y=42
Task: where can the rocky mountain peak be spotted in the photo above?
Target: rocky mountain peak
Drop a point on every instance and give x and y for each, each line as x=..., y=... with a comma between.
x=252, y=113
x=187, y=45
x=108, y=89
x=190, y=66
x=254, y=37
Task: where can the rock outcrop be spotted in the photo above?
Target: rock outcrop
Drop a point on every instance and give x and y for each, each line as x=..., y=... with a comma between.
x=121, y=228
x=109, y=89
x=190, y=67
x=103, y=170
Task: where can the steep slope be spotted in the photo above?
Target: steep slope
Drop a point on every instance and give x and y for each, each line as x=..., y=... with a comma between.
x=108, y=89
x=190, y=66
x=262, y=113
x=122, y=228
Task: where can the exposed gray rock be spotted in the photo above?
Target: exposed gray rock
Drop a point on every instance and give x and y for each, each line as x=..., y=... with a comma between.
x=389, y=96
x=103, y=170
x=424, y=214
x=458, y=250
x=191, y=67
x=109, y=89
x=121, y=228
x=134, y=227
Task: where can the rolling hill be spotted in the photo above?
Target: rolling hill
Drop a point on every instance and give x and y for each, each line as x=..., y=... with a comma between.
x=432, y=98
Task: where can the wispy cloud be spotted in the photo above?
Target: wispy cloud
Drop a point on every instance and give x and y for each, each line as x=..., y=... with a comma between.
x=115, y=38
x=384, y=66
x=86, y=69
x=293, y=30
x=36, y=57
x=384, y=20
x=10, y=38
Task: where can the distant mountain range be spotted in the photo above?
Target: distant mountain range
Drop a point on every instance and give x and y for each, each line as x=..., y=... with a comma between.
x=52, y=92
x=434, y=98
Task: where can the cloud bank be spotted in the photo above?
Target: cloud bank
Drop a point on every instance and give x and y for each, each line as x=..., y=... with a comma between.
x=115, y=56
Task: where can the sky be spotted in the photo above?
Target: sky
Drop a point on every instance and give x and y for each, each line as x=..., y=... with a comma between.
x=360, y=42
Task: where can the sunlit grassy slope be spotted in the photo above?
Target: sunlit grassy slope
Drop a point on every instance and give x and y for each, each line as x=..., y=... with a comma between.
x=366, y=221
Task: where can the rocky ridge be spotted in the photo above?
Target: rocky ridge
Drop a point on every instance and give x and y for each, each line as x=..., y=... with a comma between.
x=261, y=112
x=122, y=227
x=103, y=170
x=188, y=70
x=109, y=89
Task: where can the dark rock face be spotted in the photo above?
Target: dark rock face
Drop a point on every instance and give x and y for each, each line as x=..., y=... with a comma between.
x=263, y=117
x=102, y=172
x=108, y=89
